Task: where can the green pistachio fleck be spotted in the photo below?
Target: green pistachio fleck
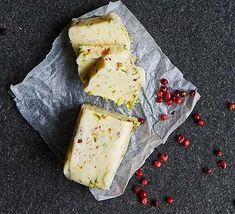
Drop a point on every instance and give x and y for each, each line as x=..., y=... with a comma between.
x=94, y=183
x=129, y=105
x=89, y=93
x=135, y=71
x=94, y=136
x=113, y=91
x=119, y=101
x=109, y=70
x=97, y=116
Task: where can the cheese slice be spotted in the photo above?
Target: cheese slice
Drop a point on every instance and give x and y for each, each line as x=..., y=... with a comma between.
x=102, y=30
x=116, y=80
x=98, y=146
x=88, y=55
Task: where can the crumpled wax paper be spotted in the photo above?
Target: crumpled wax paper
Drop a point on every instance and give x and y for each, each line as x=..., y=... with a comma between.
x=50, y=96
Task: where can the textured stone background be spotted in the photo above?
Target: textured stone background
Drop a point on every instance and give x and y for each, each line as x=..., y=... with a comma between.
x=198, y=36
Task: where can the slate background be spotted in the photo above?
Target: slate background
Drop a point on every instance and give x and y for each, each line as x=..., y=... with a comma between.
x=198, y=37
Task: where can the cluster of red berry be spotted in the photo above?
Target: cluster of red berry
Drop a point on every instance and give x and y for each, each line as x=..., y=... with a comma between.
x=164, y=95
x=143, y=194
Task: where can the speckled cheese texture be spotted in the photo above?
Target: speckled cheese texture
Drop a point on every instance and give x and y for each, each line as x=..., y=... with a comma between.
x=88, y=55
x=98, y=146
x=105, y=63
x=103, y=30
x=117, y=81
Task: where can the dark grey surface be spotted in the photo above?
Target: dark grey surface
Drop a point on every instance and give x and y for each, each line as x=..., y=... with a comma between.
x=198, y=36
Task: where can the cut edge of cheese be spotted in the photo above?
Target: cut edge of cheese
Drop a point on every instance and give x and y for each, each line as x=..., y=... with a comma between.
x=100, y=30
x=121, y=83
x=88, y=56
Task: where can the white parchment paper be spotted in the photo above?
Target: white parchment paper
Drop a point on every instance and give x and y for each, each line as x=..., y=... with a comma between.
x=50, y=97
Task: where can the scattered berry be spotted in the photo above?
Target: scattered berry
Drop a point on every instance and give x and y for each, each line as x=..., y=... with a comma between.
x=159, y=93
x=159, y=100
x=222, y=164
x=143, y=194
x=207, y=170
x=218, y=153
x=167, y=95
x=154, y=203
x=200, y=122
x=178, y=100
x=157, y=164
x=231, y=106
x=144, y=181
x=186, y=143
x=192, y=93
x=169, y=102
x=139, y=173
x=164, y=81
x=180, y=138
x=196, y=116
x=144, y=201
x=163, y=89
x=164, y=157
x=183, y=94
x=136, y=189
x=141, y=120
x=177, y=93
x=169, y=200
x=163, y=117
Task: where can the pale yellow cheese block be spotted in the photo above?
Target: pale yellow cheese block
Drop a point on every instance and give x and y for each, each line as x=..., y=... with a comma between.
x=98, y=146
x=102, y=30
x=88, y=55
x=116, y=80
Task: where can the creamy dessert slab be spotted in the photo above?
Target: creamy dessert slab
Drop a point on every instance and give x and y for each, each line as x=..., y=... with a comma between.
x=101, y=30
x=98, y=146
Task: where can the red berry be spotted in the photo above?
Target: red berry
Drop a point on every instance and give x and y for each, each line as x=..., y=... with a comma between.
x=139, y=173
x=222, y=164
x=157, y=164
x=169, y=200
x=186, y=143
x=143, y=194
x=200, y=122
x=183, y=94
x=163, y=117
x=218, y=153
x=207, y=170
x=136, y=188
x=173, y=97
x=144, y=201
x=154, y=203
x=196, y=116
x=159, y=100
x=141, y=120
x=178, y=100
x=180, y=138
x=159, y=93
x=231, y=106
x=169, y=102
x=167, y=95
x=164, y=157
x=163, y=89
x=192, y=93
x=177, y=93
x=144, y=181
x=164, y=81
